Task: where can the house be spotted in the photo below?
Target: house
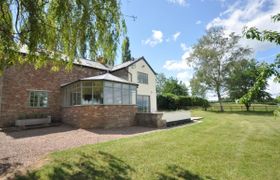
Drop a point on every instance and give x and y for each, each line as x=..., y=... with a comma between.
x=91, y=95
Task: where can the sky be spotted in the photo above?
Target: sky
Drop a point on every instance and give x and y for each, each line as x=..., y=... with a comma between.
x=164, y=31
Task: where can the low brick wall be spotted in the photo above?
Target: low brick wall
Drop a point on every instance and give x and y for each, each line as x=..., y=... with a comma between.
x=150, y=119
x=100, y=116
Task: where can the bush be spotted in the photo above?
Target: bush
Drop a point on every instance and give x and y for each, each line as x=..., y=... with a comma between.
x=172, y=102
x=167, y=101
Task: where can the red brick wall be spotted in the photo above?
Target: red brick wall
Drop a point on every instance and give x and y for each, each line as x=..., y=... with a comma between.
x=100, y=116
x=17, y=80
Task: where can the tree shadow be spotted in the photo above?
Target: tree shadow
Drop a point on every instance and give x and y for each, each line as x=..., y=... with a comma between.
x=39, y=131
x=7, y=167
x=94, y=165
x=174, y=172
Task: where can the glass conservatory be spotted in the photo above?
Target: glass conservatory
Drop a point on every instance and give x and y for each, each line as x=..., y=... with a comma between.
x=104, y=89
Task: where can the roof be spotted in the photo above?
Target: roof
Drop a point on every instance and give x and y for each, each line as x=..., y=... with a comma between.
x=92, y=64
x=95, y=64
x=129, y=63
x=77, y=61
x=104, y=77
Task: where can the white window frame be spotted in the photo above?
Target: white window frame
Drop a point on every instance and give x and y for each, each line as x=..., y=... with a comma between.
x=142, y=81
x=38, y=100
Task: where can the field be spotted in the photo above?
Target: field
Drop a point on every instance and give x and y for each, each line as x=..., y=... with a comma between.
x=242, y=145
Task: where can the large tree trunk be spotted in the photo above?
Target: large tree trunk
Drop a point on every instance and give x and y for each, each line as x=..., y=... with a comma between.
x=220, y=101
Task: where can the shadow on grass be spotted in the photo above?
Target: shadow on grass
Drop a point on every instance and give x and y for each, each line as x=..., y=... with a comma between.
x=174, y=172
x=94, y=165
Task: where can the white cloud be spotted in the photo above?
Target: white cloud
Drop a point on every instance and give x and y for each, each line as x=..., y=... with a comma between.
x=273, y=87
x=156, y=38
x=182, y=64
x=185, y=77
x=198, y=22
x=184, y=46
x=250, y=13
x=176, y=35
x=179, y=2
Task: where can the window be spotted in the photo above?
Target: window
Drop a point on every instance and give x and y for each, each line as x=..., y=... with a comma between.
x=99, y=92
x=142, y=78
x=143, y=103
x=75, y=94
x=87, y=97
x=125, y=94
x=117, y=93
x=38, y=99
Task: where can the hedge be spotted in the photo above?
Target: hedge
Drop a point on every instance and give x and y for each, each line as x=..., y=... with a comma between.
x=172, y=102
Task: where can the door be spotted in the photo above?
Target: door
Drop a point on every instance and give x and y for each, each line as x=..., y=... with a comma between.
x=143, y=103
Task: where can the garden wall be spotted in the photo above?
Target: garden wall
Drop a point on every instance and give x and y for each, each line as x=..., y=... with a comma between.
x=100, y=116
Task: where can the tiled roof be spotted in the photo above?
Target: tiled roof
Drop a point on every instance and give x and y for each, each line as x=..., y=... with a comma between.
x=104, y=77
x=95, y=64
x=129, y=63
x=108, y=77
x=77, y=61
x=89, y=63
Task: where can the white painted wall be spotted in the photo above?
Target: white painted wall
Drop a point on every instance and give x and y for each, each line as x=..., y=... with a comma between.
x=145, y=89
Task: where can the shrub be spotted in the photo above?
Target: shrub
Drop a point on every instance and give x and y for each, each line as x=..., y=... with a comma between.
x=167, y=101
x=171, y=102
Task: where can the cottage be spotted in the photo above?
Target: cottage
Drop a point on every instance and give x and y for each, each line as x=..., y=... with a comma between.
x=91, y=95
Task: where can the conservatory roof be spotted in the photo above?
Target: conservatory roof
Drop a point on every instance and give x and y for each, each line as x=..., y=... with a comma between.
x=104, y=77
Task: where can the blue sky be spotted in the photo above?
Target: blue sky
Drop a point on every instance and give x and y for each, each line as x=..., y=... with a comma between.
x=165, y=30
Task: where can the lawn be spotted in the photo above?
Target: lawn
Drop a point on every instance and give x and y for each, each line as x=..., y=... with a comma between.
x=223, y=146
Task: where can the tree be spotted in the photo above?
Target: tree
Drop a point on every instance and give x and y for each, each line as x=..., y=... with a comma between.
x=53, y=29
x=160, y=82
x=212, y=54
x=170, y=86
x=126, y=55
x=241, y=76
x=267, y=70
x=197, y=88
x=173, y=86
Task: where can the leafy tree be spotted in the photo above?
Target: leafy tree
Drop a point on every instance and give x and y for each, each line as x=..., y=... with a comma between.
x=160, y=82
x=241, y=76
x=126, y=55
x=53, y=29
x=170, y=86
x=197, y=88
x=267, y=70
x=173, y=86
x=212, y=54
x=266, y=35
x=278, y=99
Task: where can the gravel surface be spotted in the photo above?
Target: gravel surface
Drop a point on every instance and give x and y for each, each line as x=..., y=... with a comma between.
x=22, y=148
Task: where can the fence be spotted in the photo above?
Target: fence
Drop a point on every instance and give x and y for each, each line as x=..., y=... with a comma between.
x=259, y=108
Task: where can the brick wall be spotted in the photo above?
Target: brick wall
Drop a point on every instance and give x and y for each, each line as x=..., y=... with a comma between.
x=150, y=119
x=1, y=85
x=100, y=116
x=122, y=73
x=18, y=80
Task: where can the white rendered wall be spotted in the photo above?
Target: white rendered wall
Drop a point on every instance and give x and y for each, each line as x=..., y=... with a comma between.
x=145, y=89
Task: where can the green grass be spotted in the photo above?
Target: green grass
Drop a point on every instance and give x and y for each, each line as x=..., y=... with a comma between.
x=223, y=146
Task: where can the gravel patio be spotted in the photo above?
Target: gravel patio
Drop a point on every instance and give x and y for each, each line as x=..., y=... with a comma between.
x=22, y=148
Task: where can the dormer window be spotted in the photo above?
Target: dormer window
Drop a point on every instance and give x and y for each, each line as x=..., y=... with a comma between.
x=142, y=78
